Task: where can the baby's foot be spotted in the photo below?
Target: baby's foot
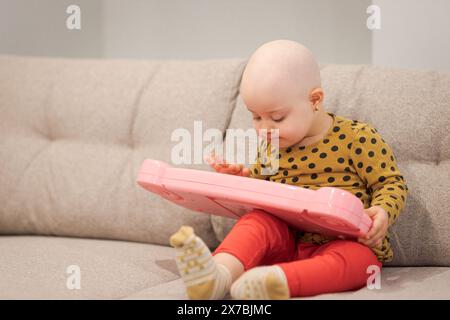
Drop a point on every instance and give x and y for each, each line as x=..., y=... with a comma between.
x=203, y=277
x=261, y=283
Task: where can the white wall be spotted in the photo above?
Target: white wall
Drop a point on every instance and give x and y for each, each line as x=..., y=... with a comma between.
x=185, y=29
x=413, y=35
x=38, y=27
x=334, y=30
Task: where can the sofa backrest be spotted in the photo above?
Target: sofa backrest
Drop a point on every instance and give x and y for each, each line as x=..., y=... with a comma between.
x=411, y=110
x=73, y=134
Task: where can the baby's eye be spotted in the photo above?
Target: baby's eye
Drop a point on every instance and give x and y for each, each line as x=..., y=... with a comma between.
x=278, y=120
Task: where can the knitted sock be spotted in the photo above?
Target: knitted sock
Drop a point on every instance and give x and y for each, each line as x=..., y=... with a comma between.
x=261, y=283
x=204, y=278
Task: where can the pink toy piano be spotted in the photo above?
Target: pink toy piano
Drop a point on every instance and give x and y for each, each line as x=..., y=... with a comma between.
x=329, y=211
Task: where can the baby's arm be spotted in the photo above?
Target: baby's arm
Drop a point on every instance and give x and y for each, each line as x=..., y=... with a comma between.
x=374, y=161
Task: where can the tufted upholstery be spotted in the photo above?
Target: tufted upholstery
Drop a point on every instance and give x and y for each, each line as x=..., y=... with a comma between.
x=73, y=134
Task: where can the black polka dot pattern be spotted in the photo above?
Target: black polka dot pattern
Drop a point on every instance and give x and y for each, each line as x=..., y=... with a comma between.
x=352, y=156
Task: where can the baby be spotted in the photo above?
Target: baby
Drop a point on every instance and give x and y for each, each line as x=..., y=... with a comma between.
x=264, y=258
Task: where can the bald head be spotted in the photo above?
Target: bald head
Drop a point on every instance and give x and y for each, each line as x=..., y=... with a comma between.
x=278, y=73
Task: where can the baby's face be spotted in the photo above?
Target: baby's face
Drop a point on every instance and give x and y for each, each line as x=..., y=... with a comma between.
x=292, y=117
x=276, y=87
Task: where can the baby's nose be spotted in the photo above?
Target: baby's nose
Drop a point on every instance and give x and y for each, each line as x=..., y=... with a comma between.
x=272, y=132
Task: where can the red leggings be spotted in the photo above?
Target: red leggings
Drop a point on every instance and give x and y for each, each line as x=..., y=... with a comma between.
x=259, y=239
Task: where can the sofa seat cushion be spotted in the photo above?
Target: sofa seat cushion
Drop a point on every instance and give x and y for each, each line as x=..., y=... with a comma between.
x=34, y=267
x=396, y=283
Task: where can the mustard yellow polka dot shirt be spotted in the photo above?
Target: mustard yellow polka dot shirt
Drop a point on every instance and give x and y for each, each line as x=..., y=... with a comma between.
x=351, y=156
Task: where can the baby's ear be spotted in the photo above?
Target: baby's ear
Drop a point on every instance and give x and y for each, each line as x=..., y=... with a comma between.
x=316, y=96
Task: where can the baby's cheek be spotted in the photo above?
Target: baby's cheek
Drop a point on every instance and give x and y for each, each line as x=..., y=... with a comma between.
x=292, y=131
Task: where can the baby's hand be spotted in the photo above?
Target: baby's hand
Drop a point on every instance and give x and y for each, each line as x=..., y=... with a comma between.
x=222, y=167
x=380, y=224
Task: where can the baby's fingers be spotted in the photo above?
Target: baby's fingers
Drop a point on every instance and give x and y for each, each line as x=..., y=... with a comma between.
x=210, y=160
x=372, y=242
x=245, y=172
x=222, y=168
x=364, y=241
x=235, y=168
x=375, y=229
x=217, y=163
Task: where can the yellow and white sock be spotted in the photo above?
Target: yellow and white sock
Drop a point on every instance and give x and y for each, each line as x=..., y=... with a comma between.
x=204, y=278
x=261, y=283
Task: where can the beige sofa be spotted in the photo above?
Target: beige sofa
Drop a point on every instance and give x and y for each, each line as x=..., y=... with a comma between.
x=73, y=134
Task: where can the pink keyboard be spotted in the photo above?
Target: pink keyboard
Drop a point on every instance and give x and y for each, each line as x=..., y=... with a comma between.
x=328, y=211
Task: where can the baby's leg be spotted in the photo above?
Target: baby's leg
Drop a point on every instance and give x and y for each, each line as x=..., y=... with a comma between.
x=261, y=283
x=336, y=266
x=233, y=265
x=259, y=238
x=203, y=277
x=256, y=238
